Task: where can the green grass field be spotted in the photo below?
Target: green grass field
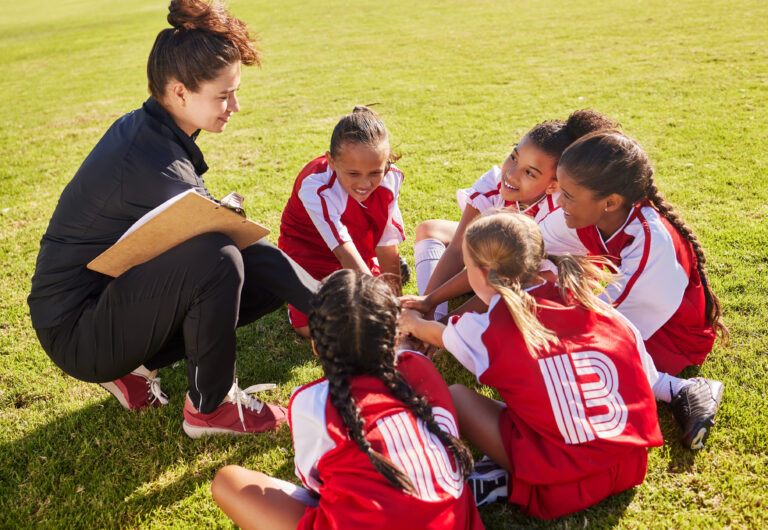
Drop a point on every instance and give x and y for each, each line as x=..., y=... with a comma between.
x=457, y=84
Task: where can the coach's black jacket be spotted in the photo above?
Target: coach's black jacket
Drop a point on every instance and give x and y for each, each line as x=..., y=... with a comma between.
x=142, y=160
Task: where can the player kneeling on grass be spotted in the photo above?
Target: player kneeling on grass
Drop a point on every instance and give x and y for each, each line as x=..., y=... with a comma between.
x=578, y=411
x=343, y=211
x=375, y=440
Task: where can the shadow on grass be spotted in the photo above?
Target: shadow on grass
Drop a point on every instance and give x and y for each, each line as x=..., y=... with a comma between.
x=102, y=466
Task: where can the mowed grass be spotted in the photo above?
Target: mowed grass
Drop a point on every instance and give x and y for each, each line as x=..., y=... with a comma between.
x=457, y=84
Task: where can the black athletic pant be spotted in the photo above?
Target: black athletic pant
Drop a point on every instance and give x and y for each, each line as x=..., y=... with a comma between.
x=185, y=303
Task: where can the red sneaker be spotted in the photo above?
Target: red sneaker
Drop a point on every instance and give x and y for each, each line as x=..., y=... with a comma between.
x=137, y=390
x=239, y=413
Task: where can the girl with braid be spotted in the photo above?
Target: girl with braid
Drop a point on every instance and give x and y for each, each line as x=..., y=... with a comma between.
x=610, y=206
x=578, y=412
x=375, y=439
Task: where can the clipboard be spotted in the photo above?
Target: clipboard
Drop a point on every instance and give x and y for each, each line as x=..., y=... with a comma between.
x=175, y=221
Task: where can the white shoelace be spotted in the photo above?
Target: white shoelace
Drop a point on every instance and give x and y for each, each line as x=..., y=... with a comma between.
x=241, y=397
x=156, y=391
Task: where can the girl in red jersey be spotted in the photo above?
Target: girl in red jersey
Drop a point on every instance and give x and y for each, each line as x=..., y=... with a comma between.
x=578, y=411
x=375, y=439
x=525, y=183
x=343, y=210
x=612, y=207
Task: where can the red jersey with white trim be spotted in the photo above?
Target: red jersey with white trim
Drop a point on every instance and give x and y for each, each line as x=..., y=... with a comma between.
x=320, y=216
x=485, y=195
x=659, y=289
x=352, y=493
x=572, y=412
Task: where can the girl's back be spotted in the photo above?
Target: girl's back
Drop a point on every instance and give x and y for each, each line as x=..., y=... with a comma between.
x=353, y=493
x=572, y=411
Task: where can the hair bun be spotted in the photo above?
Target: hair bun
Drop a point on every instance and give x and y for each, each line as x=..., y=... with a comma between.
x=187, y=13
x=586, y=121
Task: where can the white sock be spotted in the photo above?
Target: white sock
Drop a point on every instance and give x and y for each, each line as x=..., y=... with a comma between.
x=426, y=255
x=663, y=385
x=667, y=386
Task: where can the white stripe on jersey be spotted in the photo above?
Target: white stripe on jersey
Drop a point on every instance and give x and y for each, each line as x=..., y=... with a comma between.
x=565, y=397
x=602, y=392
x=569, y=398
x=407, y=447
x=415, y=453
x=449, y=479
x=398, y=436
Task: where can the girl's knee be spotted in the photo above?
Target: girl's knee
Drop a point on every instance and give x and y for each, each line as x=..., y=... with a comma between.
x=428, y=229
x=224, y=481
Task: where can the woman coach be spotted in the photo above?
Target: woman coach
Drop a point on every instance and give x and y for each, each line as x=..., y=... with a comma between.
x=187, y=302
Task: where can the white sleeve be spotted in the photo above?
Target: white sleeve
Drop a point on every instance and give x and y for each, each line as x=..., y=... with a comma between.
x=325, y=204
x=651, y=283
x=310, y=434
x=462, y=337
x=393, y=234
x=558, y=238
x=478, y=195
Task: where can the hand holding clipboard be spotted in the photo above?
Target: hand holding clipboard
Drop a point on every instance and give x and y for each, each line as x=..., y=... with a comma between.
x=175, y=221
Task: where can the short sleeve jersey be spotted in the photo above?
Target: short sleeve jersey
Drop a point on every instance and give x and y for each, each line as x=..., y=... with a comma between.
x=658, y=289
x=573, y=411
x=320, y=216
x=352, y=493
x=485, y=195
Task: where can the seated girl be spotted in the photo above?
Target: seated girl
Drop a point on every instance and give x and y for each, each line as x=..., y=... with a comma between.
x=343, y=210
x=375, y=440
x=610, y=206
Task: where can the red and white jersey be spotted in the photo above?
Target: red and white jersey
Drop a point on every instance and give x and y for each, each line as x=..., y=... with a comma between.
x=485, y=195
x=352, y=493
x=659, y=288
x=573, y=411
x=320, y=216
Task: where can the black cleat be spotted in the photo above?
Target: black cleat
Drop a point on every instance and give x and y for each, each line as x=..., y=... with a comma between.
x=488, y=482
x=405, y=271
x=694, y=408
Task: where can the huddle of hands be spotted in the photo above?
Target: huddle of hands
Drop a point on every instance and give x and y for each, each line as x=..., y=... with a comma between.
x=415, y=310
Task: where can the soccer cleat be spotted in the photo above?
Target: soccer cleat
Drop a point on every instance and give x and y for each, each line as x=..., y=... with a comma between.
x=239, y=413
x=694, y=409
x=488, y=482
x=405, y=271
x=137, y=390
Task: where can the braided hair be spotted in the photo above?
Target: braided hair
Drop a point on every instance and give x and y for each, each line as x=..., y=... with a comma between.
x=608, y=162
x=352, y=324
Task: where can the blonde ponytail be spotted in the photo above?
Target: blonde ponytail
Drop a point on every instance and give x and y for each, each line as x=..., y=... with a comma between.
x=522, y=308
x=580, y=279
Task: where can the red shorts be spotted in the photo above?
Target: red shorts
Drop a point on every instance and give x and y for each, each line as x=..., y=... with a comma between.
x=548, y=501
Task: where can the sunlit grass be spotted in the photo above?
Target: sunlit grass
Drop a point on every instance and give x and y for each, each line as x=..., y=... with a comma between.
x=457, y=84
